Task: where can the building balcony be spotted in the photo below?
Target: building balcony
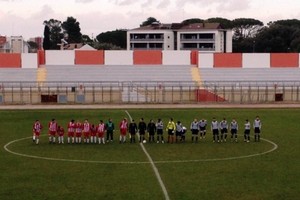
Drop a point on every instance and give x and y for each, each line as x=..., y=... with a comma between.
x=146, y=39
x=197, y=39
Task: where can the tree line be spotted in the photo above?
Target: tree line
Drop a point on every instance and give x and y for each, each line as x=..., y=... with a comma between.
x=249, y=34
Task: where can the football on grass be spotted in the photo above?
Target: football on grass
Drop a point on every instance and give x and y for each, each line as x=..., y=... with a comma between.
x=144, y=141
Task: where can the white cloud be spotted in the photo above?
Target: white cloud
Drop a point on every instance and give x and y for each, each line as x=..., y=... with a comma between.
x=164, y=4
x=83, y=1
x=45, y=12
x=125, y=2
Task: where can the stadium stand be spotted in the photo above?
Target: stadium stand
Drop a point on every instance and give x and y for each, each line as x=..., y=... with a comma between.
x=118, y=73
x=17, y=74
x=254, y=74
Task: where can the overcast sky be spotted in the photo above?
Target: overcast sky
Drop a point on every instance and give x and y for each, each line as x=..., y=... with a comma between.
x=25, y=17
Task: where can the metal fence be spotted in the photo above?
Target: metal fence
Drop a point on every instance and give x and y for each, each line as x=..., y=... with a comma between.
x=148, y=92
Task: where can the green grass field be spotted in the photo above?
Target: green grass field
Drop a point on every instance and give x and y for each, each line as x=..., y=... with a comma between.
x=204, y=170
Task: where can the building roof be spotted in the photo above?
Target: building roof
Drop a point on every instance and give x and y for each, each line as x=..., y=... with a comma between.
x=180, y=26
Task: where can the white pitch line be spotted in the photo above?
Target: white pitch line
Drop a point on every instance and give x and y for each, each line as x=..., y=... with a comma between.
x=160, y=181
x=62, y=159
x=275, y=146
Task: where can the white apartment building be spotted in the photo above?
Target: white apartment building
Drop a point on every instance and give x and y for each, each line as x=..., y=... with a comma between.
x=204, y=37
x=13, y=44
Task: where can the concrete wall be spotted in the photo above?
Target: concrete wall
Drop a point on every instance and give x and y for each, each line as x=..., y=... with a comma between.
x=58, y=57
x=176, y=57
x=206, y=60
x=150, y=57
x=29, y=60
x=256, y=60
x=118, y=57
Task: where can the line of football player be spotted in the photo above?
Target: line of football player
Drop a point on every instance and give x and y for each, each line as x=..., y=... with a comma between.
x=102, y=133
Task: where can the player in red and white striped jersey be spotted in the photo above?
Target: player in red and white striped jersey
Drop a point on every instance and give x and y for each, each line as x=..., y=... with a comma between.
x=93, y=134
x=86, y=131
x=123, y=130
x=78, y=132
x=37, y=128
x=52, y=130
x=60, y=133
x=71, y=131
x=101, y=130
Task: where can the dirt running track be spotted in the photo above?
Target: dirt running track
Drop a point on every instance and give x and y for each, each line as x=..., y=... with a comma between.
x=145, y=106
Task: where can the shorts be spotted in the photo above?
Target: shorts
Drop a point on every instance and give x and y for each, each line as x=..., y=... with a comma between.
x=215, y=132
x=195, y=131
x=151, y=133
x=100, y=134
x=78, y=134
x=256, y=130
x=71, y=134
x=37, y=133
x=170, y=132
x=202, y=129
x=123, y=132
x=86, y=134
x=142, y=132
x=247, y=132
x=159, y=131
x=224, y=130
x=233, y=131
x=60, y=134
x=52, y=133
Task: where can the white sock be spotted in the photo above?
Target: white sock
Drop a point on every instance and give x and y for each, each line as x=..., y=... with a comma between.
x=80, y=140
x=53, y=139
x=62, y=139
x=120, y=138
x=92, y=139
x=50, y=139
x=37, y=140
x=73, y=139
x=88, y=140
x=103, y=140
x=76, y=139
x=68, y=139
x=33, y=137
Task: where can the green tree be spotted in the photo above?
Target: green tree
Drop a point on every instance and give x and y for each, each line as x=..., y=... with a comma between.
x=116, y=38
x=105, y=46
x=72, y=27
x=246, y=27
x=192, y=21
x=279, y=37
x=46, y=40
x=149, y=21
x=55, y=33
x=33, y=46
x=225, y=23
x=245, y=31
x=87, y=40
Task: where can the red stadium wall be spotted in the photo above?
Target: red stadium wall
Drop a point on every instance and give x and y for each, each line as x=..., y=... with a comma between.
x=41, y=57
x=194, y=57
x=86, y=57
x=228, y=60
x=141, y=57
x=203, y=95
x=284, y=60
x=10, y=60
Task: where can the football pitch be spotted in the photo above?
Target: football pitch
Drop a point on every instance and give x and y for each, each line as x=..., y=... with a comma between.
x=269, y=169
